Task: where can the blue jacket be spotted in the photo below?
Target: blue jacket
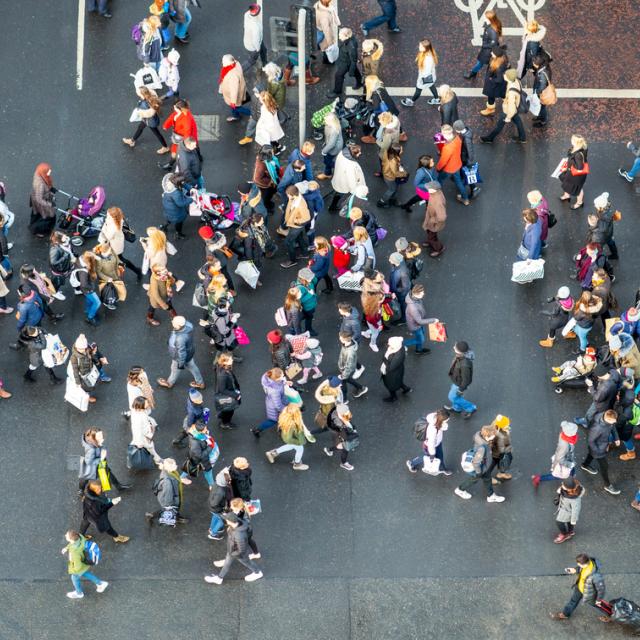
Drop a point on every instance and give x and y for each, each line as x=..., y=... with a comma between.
x=30, y=311
x=320, y=265
x=181, y=347
x=296, y=154
x=399, y=280
x=423, y=176
x=531, y=241
x=175, y=204
x=314, y=201
x=289, y=177
x=194, y=412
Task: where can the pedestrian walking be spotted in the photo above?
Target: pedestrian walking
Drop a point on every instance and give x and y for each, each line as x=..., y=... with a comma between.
x=601, y=432
x=295, y=218
x=268, y=128
x=146, y=114
x=161, y=291
x=542, y=77
x=513, y=107
x=306, y=284
x=227, y=391
x=61, y=257
x=427, y=61
x=461, y=375
x=559, y=314
x=333, y=144
x=77, y=566
x=389, y=11
x=495, y=83
x=347, y=62
x=143, y=428
x=99, y=6
x=448, y=105
x=531, y=244
x=371, y=56
x=569, y=503
x=189, y=167
x=417, y=320
x=327, y=25
x=203, y=452
x=182, y=351
x=348, y=365
x=393, y=174
x=392, y=369
x=574, y=176
x=109, y=274
x=273, y=384
x=293, y=432
x=347, y=174
x=468, y=157
x=435, y=218
x=168, y=490
x=399, y=282
x=450, y=162
x=345, y=436
x=94, y=464
x=183, y=123
x=532, y=37
x=589, y=585
x=95, y=511
x=563, y=461
x=36, y=342
x=113, y=232
x=253, y=39
x=477, y=465
x=82, y=375
x=196, y=411
x=432, y=428
x=219, y=498
x=425, y=173
x=501, y=449
x=491, y=37
x=42, y=203
x=232, y=87
x=603, y=387
x=630, y=175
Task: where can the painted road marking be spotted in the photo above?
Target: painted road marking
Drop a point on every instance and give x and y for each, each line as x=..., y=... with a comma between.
x=473, y=92
x=208, y=128
x=80, y=46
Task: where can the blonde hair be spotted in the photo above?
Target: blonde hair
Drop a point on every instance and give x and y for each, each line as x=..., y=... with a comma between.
x=153, y=24
x=225, y=359
x=157, y=239
x=218, y=284
x=447, y=131
x=308, y=147
x=577, y=143
x=371, y=83
x=533, y=26
x=332, y=120
x=290, y=421
x=268, y=101
x=292, y=298
x=428, y=51
x=446, y=93
x=360, y=234
x=321, y=243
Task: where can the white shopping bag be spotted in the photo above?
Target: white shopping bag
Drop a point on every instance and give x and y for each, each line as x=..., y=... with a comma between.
x=332, y=52
x=55, y=352
x=561, y=168
x=351, y=281
x=527, y=270
x=534, y=104
x=248, y=272
x=432, y=467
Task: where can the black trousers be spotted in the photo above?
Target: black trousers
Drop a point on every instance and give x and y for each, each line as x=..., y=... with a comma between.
x=142, y=126
x=517, y=121
x=338, y=81
x=85, y=524
x=328, y=282
x=127, y=263
x=603, y=465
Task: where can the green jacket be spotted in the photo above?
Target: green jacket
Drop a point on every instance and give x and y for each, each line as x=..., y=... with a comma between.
x=278, y=90
x=297, y=438
x=75, y=551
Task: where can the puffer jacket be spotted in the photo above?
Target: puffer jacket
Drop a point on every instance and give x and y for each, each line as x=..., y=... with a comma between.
x=168, y=491
x=416, y=315
x=569, y=506
x=238, y=539
x=174, y=203
x=60, y=259
x=348, y=359
x=91, y=458
x=598, y=437
x=501, y=444
x=199, y=449
x=352, y=324
x=468, y=154
x=482, y=455
x=181, y=348
x=594, y=587
x=81, y=364
x=241, y=483
x=221, y=494
x=281, y=355
x=275, y=400
x=605, y=391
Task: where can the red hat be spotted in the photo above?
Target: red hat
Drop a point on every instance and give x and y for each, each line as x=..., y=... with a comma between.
x=206, y=232
x=254, y=9
x=274, y=337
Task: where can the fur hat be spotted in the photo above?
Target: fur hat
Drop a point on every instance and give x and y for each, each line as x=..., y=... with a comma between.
x=178, y=322
x=569, y=428
x=601, y=201
x=240, y=463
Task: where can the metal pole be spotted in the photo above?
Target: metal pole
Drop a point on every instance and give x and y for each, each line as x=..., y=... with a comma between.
x=302, y=86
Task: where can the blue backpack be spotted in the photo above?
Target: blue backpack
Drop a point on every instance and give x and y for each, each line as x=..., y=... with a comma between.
x=92, y=553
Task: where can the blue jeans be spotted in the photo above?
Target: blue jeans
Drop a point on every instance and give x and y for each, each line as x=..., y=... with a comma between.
x=582, y=334
x=329, y=163
x=548, y=476
x=418, y=461
x=97, y=5
x=216, y=525
x=418, y=339
x=208, y=476
x=76, y=577
x=634, y=169
x=267, y=424
x=477, y=66
x=240, y=111
x=458, y=401
x=182, y=27
x=443, y=175
x=166, y=36
x=91, y=304
x=6, y=264
x=637, y=498
x=388, y=15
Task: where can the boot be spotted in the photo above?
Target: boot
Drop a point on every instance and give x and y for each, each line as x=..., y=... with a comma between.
x=629, y=455
x=570, y=336
x=121, y=538
x=28, y=376
x=489, y=110
x=5, y=395
x=151, y=320
x=287, y=77
x=547, y=342
x=310, y=79
x=53, y=377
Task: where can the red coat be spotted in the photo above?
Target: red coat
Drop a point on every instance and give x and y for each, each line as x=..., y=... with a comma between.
x=341, y=260
x=450, y=156
x=183, y=125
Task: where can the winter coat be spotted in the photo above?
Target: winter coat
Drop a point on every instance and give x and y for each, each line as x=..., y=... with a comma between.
x=531, y=47
x=348, y=359
x=221, y=494
x=281, y=355
x=482, y=456
x=433, y=436
x=468, y=153
x=436, y=212
x=143, y=429
x=241, y=482
x=495, y=84
x=195, y=412
x=113, y=235
x=363, y=251
x=75, y=552
x=233, y=87
x=41, y=199
x=511, y=101
x=181, y=348
x=275, y=399
x=199, y=449
x=351, y=324
x=416, y=314
x=605, y=391
x=461, y=370
x=393, y=377
x=501, y=444
x=399, y=280
x=91, y=458
x=227, y=383
x=294, y=437
x=569, y=506
x=594, y=587
x=333, y=141
x=158, y=292
x=107, y=268
x=289, y=177
x=320, y=265
x=152, y=50
x=564, y=454
x=188, y=163
x=541, y=80
x=327, y=21
x=278, y=91
x=450, y=156
x=423, y=176
x=35, y=345
x=347, y=56
x=449, y=111
x=169, y=491
x=252, y=36
x=61, y=258
x=95, y=509
x=308, y=298
x=310, y=357
x=268, y=128
x=296, y=154
x=391, y=167
x=297, y=212
x=532, y=241
x=347, y=173
x=294, y=320
x=30, y=311
x=81, y=364
x=598, y=437
x=238, y=540
x=371, y=62
x=490, y=39
x=222, y=329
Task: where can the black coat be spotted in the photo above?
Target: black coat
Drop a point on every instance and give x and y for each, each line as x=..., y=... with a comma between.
x=347, y=56
x=199, y=452
x=95, y=509
x=226, y=382
x=570, y=183
x=490, y=39
x=378, y=96
x=449, y=111
x=541, y=80
x=393, y=379
x=241, y=482
x=468, y=153
x=605, y=392
x=598, y=437
x=495, y=86
x=461, y=372
x=189, y=164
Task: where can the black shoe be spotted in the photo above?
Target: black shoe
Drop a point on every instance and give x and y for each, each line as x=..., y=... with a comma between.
x=518, y=140
x=390, y=399
x=256, y=432
x=56, y=316
x=167, y=166
x=182, y=40
x=92, y=321
x=313, y=334
x=407, y=390
x=28, y=376
x=382, y=204
x=486, y=140
x=332, y=95
x=16, y=346
x=178, y=443
x=179, y=236
x=423, y=352
x=163, y=227
x=124, y=487
x=539, y=124
x=396, y=30
x=466, y=415
x=182, y=520
x=471, y=74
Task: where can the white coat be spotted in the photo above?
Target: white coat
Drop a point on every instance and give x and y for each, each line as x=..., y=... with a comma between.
x=143, y=428
x=111, y=234
x=268, y=128
x=428, y=68
x=434, y=436
x=169, y=74
x=252, y=32
x=347, y=174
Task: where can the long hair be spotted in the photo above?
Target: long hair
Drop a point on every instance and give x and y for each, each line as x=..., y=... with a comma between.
x=494, y=21
x=153, y=24
x=151, y=98
x=371, y=83
x=89, y=260
x=428, y=51
x=585, y=299
x=360, y=234
x=117, y=216
x=290, y=420
x=268, y=101
x=157, y=239
x=498, y=61
x=578, y=143
x=292, y=299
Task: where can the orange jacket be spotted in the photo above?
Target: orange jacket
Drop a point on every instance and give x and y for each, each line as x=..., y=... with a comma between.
x=450, y=160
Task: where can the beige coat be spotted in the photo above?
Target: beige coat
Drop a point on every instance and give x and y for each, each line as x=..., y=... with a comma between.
x=328, y=22
x=512, y=99
x=233, y=87
x=107, y=271
x=297, y=213
x=371, y=60
x=436, y=214
x=158, y=293
x=111, y=234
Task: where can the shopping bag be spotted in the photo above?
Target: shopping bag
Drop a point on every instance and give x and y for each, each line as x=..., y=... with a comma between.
x=248, y=271
x=438, y=332
x=534, y=104
x=241, y=336
x=135, y=116
x=91, y=378
x=431, y=466
x=139, y=458
x=281, y=317
x=199, y=296
x=471, y=175
x=527, y=270
x=55, y=352
x=293, y=370
x=76, y=395
x=103, y=475
x=168, y=517
x=351, y=281
x=560, y=169
x=332, y=52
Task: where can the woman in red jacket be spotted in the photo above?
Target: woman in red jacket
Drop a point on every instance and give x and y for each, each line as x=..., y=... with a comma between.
x=184, y=125
x=450, y=162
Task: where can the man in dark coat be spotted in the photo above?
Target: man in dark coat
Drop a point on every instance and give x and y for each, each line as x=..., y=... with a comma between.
x=181, y=351
x=392, y=368
x=399, y=282
x=589, y=585
x=461, y=374
x=168, y=489
x=468, y=154
x=189, y=164
x=600, y=432
x=347, y=62
x=603, y=391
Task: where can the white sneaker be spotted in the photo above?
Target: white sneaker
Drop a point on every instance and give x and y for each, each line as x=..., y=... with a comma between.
x=495, y=498
x=271, y=456
x=299, y=466
x=374, y=347
x=406, y=102
x=358, y=372
x=77, y=292
x=102, y=586
x=252, y=577
x=9, y=245
x=327, y=452
x=366, y=334
x=7, y=311
x=74, y=595
x=255, y=556
x=360, y=393
x=347, y=466
x=58, y=295
x=315, y=376
x=218, y=563
x=465, y=495
x=213, y=579
x=410, y=467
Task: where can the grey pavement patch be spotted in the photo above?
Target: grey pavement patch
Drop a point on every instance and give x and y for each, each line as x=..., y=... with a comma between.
x=208, y=128
x=73, y=462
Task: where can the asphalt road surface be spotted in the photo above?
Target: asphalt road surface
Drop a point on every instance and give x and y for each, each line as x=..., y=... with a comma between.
x=376, y=553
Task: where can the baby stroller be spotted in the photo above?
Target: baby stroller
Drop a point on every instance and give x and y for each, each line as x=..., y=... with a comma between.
x=350, y=112
x=217, y=212
x=85, y=219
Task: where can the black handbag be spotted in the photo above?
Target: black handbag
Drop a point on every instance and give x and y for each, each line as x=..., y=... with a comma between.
x=139, y=458
x=225, y=402
x=427, y=79
x=505, y=461
x=128, y=232
x=552, y=220
x=191, y=468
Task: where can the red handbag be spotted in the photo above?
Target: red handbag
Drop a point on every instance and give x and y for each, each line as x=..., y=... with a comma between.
x=580, y=172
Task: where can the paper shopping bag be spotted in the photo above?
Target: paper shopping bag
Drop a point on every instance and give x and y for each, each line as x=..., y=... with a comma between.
x=438, y=332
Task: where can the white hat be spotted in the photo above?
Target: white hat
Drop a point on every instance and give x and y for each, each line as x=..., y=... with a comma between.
x=173, y=56
x=601, y=201
x=178, y=322
x=227, y=60
x=395, y=342
x=81, y=342
x=563, y=293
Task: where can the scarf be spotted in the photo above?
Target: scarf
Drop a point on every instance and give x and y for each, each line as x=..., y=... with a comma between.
x=224, y=71
x=176, y=475
x=570, y=439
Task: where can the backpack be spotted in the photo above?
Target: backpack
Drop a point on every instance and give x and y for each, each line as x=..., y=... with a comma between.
x=466, y=462
x=109, y=295
x=74, y=281
x=523, y=106
x=92, y=553
x=420, y=429
x=281, y=317
x=136, y=33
